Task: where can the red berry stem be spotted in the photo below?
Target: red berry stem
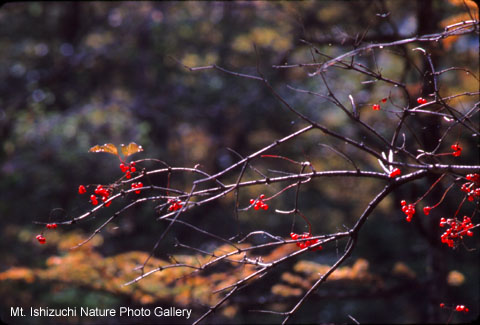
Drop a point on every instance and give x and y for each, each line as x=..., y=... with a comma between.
x=430, y=189
x=306, y=220
x=443, y=196
x=281, y=157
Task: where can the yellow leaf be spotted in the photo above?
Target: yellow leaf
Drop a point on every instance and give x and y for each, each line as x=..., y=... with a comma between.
x=108, y=148
x=455, y=278
x=130, y=149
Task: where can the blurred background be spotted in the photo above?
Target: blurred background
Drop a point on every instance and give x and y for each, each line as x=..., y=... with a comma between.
x=76, y=74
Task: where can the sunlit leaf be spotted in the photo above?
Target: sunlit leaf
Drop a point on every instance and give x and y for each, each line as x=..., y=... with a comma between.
x=108, y=148
x=130, y=149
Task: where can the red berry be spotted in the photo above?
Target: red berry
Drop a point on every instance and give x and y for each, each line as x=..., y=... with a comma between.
x=376, y=107
x=457, y=150
x=442, y=305
x=396, y=172
x=128, y=175
x=93, y=199
x=460, y=308
x=403, y=202
x=41, y=239
x=99, y=189
x=133, y=169
x=384, y=100
x=262, y=196
x=82, y=189
x=51, y=225
x=421, y=100
x=426, y=210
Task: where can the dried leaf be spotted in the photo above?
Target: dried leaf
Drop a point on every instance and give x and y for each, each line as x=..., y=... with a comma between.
x=130, y=149
x=108, y=148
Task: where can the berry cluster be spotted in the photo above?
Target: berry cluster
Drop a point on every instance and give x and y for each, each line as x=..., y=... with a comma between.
x=376, y=107
x=395, y=172
x=128, y=169
x=457, y=150
x=259, y=204
x=408, y=209
x=421, y=100
x=458, y=308
x=456, y=231
x=462, y=308
x=472, y=187
x=174, y=204
x=137, y=186
x=41, y=239
x=103, y=192
x=306, y=243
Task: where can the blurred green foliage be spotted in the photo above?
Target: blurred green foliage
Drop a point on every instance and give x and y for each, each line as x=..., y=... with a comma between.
x=76, y=74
